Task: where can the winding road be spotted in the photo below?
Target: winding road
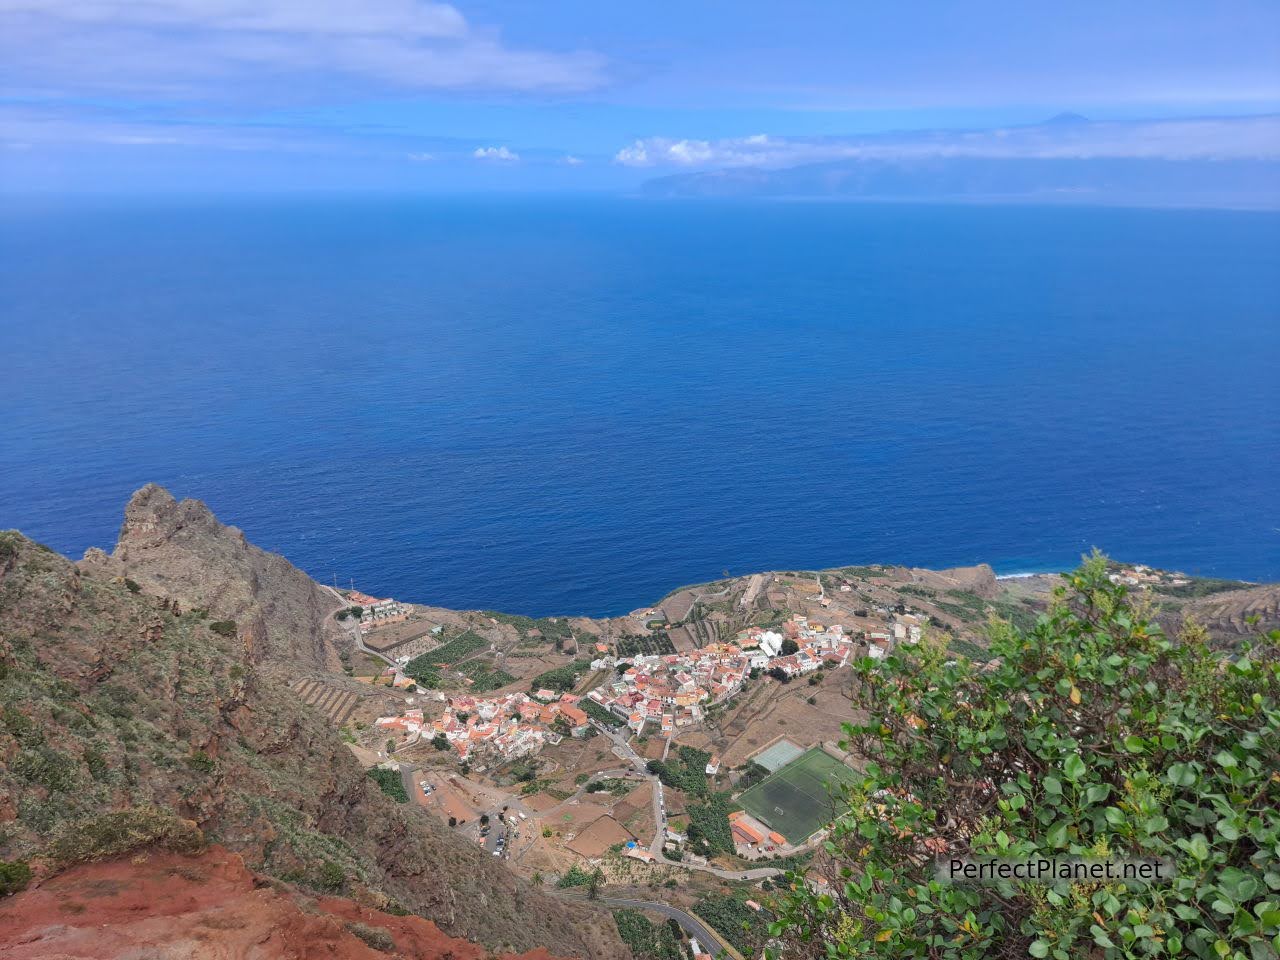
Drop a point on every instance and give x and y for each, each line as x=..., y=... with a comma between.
x=707, y=938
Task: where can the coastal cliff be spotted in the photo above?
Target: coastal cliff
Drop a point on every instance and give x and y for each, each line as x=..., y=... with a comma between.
x=126, y=715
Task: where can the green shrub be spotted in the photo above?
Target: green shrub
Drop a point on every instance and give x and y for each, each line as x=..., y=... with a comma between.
x=224, y=628
x=52, y=769
x=96, y=761
x=123, y=831
x=330, y=877
x=1093, y=735
x=376, y=937
x=600, y=714
x=561, y=678
x=740, y=925
x=450, y=652
x=14, y=877
x=391, y=783
x=647, y=940
x=132, y=585
x=575, y=876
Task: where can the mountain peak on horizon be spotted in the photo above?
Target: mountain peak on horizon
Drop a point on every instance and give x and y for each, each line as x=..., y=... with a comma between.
x=1066, y=117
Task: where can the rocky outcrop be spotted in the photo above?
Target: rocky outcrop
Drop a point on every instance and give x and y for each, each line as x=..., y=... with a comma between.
x=117, y=709
x=180, y=551
x=166, y=906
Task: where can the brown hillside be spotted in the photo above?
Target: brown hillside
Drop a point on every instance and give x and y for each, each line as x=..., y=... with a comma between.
x=116, y=702
x=169, y=906
x=180, y=550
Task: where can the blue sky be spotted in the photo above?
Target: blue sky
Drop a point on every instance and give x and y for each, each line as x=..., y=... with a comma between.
x=405, y=94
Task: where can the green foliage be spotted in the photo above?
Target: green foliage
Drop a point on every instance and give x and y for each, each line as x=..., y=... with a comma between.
x=422, y=671
x=224, y=628
x=330, y=877
x=1093, y=735
x=616, y=786
x=200, y=761
x=688, y=772
x=19, y=725
x=120, y=832
x=390, y=782
x=1199, y=587
x=524, y=769
x=744, y=928
x=450, y=652
x=14, y=877
x=861, y=572
x=561, y=678
x=484, y=678
x=96, y=761
x=9, y=541
x=132, y=585
x=647, y=940
x=575, y=877
x=709, y=831
x=52, y=769
x=639, y=645
x=751, y=773
x=600, y=714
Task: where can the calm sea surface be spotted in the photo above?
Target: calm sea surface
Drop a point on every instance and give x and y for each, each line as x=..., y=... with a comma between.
x=573, y=406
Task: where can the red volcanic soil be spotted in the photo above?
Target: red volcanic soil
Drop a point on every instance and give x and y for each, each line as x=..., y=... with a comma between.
x=165, y=906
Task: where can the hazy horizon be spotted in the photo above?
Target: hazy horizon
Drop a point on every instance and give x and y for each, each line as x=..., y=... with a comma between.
x=224, y=96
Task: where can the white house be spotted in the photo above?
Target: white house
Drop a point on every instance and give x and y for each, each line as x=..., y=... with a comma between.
x=771, y=643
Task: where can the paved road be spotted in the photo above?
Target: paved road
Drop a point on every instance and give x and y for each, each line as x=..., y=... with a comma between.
x=707, y=938
x=623, y=749
x=354, y=631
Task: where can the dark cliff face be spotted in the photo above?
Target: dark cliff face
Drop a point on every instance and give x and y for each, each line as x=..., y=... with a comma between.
x=180, y=550
x=116, y=701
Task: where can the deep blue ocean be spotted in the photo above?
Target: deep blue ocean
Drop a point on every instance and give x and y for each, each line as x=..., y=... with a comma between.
x=575, y=405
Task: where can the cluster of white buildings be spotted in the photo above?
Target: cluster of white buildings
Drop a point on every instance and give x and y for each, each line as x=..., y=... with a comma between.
x=672, y=690
x=1142, y=576
x=905, y=629
x=508, y=726
x=378, y=612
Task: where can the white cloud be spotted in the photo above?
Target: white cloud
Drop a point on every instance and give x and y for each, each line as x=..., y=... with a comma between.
x=370, y=17
x=636, y=155
x=422, y=157
x=1205, y=138
x=238, y=49
x=499, y=154
x=569, y=160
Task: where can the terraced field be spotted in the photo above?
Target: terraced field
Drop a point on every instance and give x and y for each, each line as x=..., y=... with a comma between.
x=334, y=702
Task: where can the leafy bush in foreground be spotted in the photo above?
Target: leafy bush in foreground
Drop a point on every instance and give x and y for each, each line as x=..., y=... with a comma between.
x=1093, y=735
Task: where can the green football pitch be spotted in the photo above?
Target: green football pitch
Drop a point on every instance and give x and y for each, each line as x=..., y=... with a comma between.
x=797, y=800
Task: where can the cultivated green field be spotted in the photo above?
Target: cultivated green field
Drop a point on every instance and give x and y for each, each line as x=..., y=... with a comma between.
x=797, y=800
